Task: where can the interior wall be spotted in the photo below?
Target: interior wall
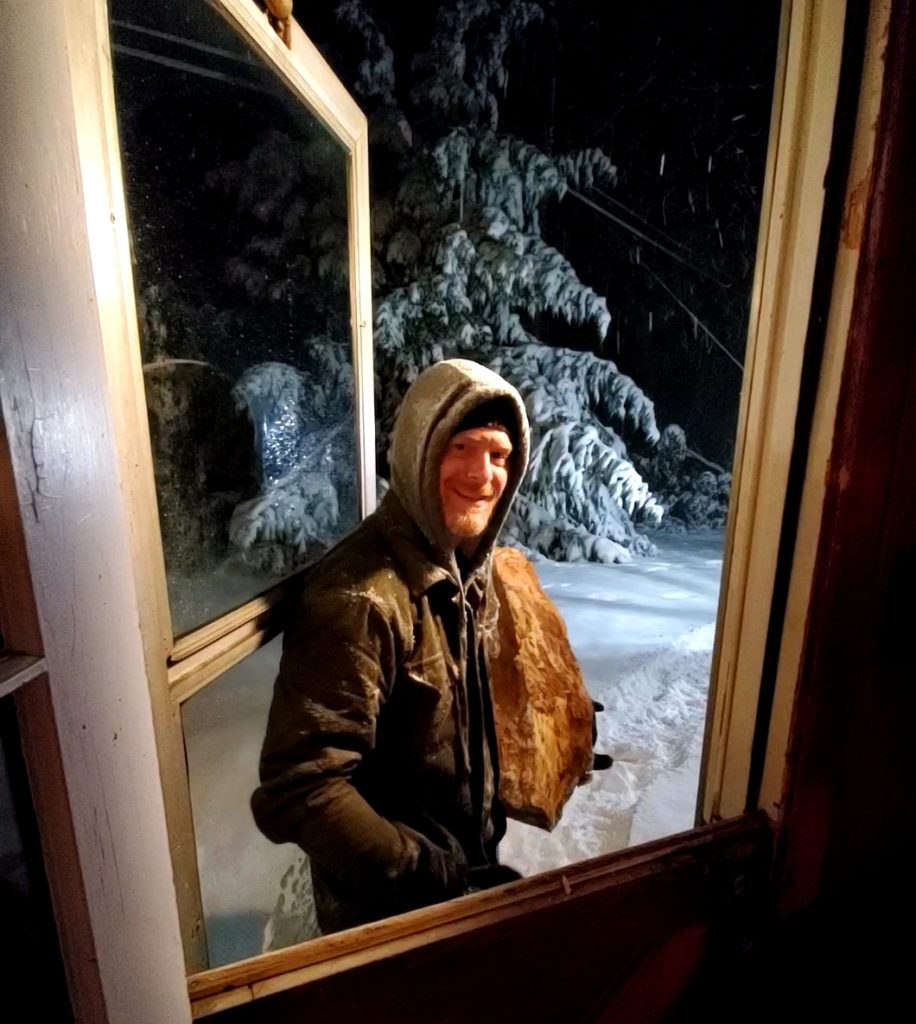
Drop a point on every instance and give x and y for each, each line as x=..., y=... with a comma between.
x=850, y=809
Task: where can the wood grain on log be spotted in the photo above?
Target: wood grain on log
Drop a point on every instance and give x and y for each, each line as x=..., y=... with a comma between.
x=543, y=711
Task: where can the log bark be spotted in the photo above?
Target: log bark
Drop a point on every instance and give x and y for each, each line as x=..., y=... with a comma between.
x=542, y=710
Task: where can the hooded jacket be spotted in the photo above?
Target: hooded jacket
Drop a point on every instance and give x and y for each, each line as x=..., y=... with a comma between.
x=380, y=756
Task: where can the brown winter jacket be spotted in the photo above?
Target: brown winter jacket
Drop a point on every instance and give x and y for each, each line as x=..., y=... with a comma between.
x=380, y=757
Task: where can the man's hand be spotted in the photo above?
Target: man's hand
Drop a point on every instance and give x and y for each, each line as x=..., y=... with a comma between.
x=488, y=876
x=600, y=762
x=439, y=873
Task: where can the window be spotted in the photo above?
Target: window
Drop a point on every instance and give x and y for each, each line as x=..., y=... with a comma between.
x=193, y=658
x=244, y=181
x=247, y=358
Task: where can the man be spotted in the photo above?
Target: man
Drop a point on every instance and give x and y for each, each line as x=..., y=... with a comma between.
x=380, y=757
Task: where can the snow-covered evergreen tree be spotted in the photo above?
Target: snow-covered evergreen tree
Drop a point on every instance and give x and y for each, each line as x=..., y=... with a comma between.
x=462, y=269
x=303, y=434
x=693, y=490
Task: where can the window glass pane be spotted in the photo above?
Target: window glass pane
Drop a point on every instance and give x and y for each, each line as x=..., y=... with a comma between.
x=237, y=202
x=256, y=895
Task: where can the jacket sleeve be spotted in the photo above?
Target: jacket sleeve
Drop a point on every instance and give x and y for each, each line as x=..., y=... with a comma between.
x=339, y=663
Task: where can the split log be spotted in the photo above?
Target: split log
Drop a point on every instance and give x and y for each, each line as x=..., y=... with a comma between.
x=542, y=710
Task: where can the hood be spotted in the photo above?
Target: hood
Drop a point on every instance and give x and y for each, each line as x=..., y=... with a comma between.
x=435, y=404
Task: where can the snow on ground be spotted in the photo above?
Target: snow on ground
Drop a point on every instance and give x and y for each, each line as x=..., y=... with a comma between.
x=643, y=634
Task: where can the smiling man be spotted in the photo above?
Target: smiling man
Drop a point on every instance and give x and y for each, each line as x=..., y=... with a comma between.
x=380, y=758
x=473, y=476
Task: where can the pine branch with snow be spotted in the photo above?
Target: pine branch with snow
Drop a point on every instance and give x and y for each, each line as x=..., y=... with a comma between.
x=375, y=74
x=462, y=269
x=581, y=486
x=694, y=492
x=458, y=78
x=291, y=212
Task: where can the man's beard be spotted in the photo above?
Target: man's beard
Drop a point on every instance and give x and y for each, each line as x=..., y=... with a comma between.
x=470, y=524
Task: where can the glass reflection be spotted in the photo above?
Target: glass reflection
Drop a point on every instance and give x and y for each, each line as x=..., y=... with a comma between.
x=237, y=201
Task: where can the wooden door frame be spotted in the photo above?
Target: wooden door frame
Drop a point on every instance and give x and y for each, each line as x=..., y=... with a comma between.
x=846, y=803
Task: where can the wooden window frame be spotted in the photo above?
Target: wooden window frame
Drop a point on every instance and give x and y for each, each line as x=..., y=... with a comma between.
x=179, y=667
x=801, y=131
x=809, y=62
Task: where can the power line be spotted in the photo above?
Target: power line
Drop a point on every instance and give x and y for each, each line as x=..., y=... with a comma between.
x=639, y=234
x=695, y=318
x=642, y=220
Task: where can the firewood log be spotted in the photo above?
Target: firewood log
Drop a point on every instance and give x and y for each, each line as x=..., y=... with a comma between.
x=543, y=713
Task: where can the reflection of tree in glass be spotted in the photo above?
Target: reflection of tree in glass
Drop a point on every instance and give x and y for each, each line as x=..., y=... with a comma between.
x=308, y=468
x=291, y=217
x=240, y=242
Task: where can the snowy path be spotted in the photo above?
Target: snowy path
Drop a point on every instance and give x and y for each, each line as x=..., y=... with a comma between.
x=643, y=633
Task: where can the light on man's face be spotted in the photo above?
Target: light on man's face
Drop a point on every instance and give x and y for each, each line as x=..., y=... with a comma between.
x=472, y=477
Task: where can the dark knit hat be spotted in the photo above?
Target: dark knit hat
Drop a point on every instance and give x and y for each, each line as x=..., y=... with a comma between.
x=497, y=412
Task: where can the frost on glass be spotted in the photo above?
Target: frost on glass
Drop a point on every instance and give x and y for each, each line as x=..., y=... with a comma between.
x=237, y=203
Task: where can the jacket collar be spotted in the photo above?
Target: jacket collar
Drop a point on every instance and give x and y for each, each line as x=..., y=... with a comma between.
x=423, y=565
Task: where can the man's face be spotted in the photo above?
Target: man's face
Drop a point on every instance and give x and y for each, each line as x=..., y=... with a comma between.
x=472, y=478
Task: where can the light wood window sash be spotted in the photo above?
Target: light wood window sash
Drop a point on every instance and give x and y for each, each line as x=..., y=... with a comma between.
x=179, y=669
x=801, y=129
